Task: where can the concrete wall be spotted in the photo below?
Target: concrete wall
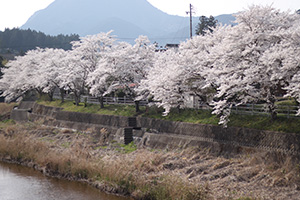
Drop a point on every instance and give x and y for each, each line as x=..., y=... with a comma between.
x=20, y=115
x=27, y=105
x=107, y=120
x=241, y=136
x=162, y=133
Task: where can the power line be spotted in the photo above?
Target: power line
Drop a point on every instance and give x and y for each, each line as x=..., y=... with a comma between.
x=191, y=20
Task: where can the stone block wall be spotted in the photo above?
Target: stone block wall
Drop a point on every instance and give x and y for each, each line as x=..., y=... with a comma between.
x=107, y=120
x=20, y=115
x=286, y=142
x=164, y=133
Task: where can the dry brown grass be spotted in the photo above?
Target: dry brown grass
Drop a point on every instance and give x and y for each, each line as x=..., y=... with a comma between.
x=147, y=174
x=136, y=173
x=6, y=108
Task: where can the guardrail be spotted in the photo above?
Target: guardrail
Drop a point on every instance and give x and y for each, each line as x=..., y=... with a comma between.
x=259, y=109
x=106, y=100
x=246, y=109
x=112, y=100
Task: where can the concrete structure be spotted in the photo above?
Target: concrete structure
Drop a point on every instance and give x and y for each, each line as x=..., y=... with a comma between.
x=156, y=133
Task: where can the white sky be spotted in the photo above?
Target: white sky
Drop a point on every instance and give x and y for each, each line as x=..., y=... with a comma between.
x=14, y=13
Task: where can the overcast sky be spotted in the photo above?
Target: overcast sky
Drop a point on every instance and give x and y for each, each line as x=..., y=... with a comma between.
x=14, y=13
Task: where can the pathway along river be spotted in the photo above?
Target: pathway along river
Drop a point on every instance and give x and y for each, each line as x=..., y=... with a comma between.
x=22, y=183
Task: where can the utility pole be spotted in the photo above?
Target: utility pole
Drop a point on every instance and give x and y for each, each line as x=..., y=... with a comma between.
x=191, y=20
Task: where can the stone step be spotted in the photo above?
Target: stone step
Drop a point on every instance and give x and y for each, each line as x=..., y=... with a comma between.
x=128, y=135
x=132, y=121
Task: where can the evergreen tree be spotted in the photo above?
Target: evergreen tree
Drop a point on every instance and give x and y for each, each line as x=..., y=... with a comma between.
x=205, y=24
x=18, y=40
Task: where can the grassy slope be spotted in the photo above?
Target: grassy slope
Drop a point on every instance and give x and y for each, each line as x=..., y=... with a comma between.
x=281, y=124
x=122, y=110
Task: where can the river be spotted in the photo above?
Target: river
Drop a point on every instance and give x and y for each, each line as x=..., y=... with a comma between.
x=22, y=183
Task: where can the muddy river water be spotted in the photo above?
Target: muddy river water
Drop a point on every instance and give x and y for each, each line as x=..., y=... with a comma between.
x=22, y=183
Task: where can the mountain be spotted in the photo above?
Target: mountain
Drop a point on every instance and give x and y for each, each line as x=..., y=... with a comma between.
x=128, y=19
x=226, y=19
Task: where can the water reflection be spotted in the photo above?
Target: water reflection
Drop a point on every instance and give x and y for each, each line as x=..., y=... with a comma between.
x=21, y=183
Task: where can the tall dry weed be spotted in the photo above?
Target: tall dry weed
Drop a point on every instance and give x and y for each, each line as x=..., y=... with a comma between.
x=6, y=108
x=137, y=173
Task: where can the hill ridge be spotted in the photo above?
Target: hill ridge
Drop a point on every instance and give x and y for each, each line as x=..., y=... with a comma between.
x=129, y=19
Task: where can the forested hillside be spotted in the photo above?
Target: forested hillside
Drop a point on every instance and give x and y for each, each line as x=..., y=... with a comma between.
x=18, y=40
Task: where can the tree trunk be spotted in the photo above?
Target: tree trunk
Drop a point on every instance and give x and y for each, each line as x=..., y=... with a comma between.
x=272, y=108
x=40, y=93
x=85, y=101
x=62, y=95
x=137, y=106
x=178, y=109
x=100, y=99
x=274, y=115
x=77, y=98
x=50, y=95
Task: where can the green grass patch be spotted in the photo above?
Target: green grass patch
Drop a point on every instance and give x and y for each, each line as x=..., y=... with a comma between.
x=131, y=147
x=118, y=109
x=123, y=148
x=281, y=124
x=287, y=102
x=184, y=115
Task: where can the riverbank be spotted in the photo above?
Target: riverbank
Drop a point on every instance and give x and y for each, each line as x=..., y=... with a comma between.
x=142, y=173
x=18, y=183
x=192, y=173
x=83, y=156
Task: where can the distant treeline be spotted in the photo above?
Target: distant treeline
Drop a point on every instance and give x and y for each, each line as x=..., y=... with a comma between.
x=17, y=40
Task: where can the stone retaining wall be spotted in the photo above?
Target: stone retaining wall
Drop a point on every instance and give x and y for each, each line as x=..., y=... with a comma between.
x=234, y=135
x=107, y=120
x=166, y=133
x=20, y=115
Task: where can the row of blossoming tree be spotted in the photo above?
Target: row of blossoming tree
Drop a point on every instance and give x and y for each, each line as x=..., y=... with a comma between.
x=233, y=65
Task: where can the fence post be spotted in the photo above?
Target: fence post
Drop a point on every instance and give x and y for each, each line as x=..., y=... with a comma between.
x=252, y=112
x=288, y=111
x=124, y=99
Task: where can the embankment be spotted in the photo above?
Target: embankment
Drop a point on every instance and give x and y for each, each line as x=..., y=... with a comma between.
x=205, y=163
x=155, y=133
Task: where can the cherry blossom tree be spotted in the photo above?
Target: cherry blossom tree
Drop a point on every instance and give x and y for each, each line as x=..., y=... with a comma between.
x=164, y=81
x=8, y=84
x=101, y=79
x=52, y=69
x=139, y=62
x=243, y=64
x=198, y=63
x=82, y=60
x=122, y=67
x=183, y=72
x=23, y=74
x=291, y=63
